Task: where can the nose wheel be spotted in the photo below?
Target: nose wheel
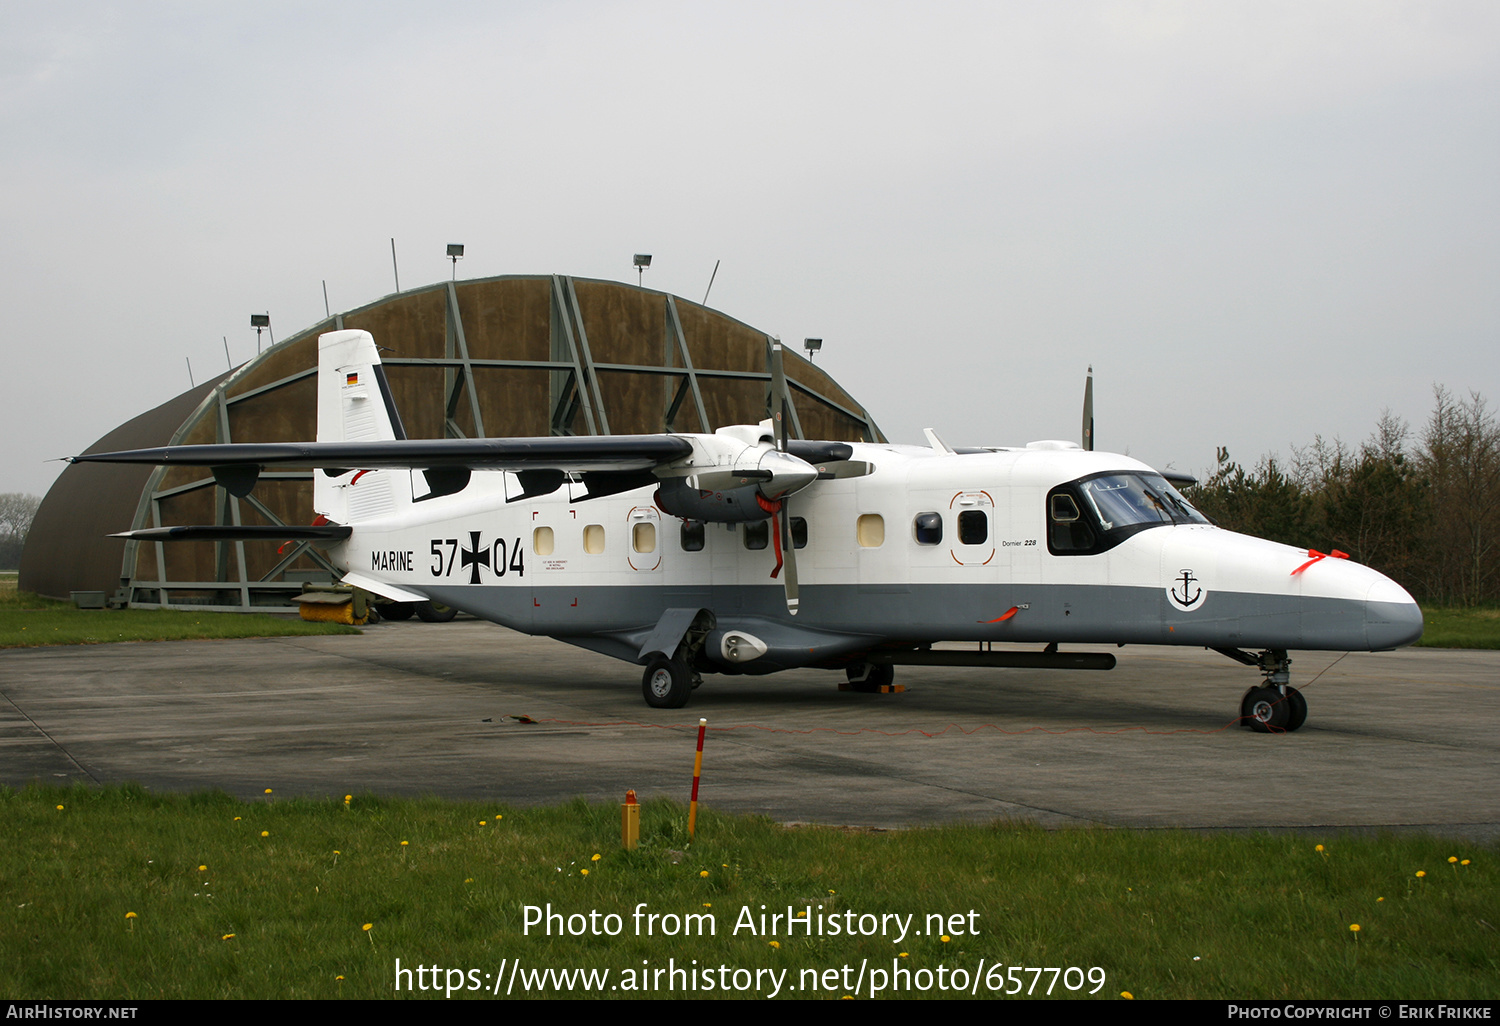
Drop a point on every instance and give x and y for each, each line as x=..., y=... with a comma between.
x=1273, y=710
x=1273, y=707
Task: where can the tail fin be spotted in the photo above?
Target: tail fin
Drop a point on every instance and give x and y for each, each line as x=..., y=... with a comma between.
x=355, y=405
x=354, y=399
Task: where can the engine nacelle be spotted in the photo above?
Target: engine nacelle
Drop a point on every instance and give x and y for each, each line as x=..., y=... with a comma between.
x=680, y=498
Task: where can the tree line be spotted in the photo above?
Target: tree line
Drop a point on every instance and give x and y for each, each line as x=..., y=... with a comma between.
x=17, y=511
x=1423, y=509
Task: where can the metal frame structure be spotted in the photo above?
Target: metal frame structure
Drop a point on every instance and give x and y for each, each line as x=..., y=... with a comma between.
x=573, y=389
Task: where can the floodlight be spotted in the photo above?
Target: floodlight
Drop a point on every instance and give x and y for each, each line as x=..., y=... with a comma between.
x=260, y=322
x=642, y=261
x=812, y=345
x=455, y=253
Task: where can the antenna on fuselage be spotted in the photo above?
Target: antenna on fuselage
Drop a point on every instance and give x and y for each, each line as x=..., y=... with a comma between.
x=1088, y=411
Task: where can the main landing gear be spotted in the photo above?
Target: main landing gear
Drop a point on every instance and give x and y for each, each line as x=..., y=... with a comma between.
x=1274, y=707
x=668, y=683
x=870, y=678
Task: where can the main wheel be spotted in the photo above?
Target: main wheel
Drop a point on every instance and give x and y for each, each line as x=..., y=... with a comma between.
x=398, y=610
x=666, y=684
x=1296, y=709
x=1269, y=710
x=870, y=677
x=433, y=612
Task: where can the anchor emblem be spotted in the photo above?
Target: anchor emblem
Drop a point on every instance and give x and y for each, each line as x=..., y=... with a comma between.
x=1189, y=596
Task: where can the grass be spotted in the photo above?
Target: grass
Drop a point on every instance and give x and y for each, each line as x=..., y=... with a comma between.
x=28, y=621
x=1460, y=627
x=271, y=899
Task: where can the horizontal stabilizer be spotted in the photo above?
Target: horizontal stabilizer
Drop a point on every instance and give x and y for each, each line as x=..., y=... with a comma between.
x=231, y=532
x=384, y=589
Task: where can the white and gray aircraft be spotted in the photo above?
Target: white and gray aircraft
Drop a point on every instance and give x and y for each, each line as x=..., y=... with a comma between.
x=745, y=552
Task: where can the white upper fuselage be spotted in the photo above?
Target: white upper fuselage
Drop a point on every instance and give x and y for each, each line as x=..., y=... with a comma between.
x=614, y=563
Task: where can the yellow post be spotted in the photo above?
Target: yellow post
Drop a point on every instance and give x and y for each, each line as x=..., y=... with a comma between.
x=630, y=822
x=697, y=769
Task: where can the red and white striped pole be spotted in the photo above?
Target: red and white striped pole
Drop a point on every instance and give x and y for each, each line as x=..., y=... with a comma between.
x=697, y=770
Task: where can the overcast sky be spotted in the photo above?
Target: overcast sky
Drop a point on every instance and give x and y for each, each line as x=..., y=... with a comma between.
x=1259, y=222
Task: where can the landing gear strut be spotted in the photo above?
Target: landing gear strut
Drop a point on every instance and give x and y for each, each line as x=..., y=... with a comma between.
x=1274, y=707
x=870, y=677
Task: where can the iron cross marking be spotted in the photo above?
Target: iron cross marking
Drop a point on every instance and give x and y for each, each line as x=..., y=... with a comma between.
x=474, y=557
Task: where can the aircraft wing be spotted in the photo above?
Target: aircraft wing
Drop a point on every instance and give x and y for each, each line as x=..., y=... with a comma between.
x=571, y=454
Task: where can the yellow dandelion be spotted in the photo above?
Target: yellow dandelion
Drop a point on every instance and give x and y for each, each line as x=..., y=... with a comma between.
x=708, y=904
x=903, y=954
x=368, y=927
x=1127, y=995
x=131, y=915
x=1318, y=848
x=945, y=938
x=265, y=833
x=236, y=819
x=268, y=790
x=1452, y=858
x=1465, y=862
x=1379, y=899
x=347, y=798
x=203, y=869
x=337, y=852
x=1421, y=873
x=1353, y=927
x=595, y=857
x=469, y=880
x=339, y=978
x=227, y=936
x=583, y=872
x=405, y=843
x=481, y=822
x=776, y=944
x=59, y=808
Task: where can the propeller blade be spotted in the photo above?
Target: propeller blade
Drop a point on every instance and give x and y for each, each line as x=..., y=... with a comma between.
x=724, y=480
x=778, y=399
x=789, y=555
x=1088, y=412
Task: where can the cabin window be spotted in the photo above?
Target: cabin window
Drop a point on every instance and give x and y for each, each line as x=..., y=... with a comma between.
x=593, y=539
x=758, y=534
x=927, y=528
x=870, y=530
x=799, y=533
x=542, y=541
x=643, y=537
x=973, y=527
x=692, y=536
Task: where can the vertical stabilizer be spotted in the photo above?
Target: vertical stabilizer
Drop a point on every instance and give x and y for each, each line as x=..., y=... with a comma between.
x=355, y=405
x=354, y=400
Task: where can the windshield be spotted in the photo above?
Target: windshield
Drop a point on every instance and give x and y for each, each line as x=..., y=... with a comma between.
x=1125, y=500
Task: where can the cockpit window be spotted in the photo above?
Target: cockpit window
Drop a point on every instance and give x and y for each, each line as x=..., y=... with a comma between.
x=1097, y=513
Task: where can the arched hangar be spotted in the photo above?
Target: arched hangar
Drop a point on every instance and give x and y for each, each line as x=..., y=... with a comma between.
x=510, y=356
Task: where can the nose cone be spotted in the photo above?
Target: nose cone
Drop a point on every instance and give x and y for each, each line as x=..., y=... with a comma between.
x=1392, y=617
x=788, y=474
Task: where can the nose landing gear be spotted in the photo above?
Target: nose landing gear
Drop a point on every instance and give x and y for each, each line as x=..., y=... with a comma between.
x=1274, y=707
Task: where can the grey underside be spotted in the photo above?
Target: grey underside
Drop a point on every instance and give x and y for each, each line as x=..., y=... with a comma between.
x=836, y=622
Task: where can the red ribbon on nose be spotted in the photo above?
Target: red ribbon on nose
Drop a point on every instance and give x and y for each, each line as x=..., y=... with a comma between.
x=1316, y=555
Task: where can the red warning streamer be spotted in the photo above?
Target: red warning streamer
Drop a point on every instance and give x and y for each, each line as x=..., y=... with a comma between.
x=1316, y=555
